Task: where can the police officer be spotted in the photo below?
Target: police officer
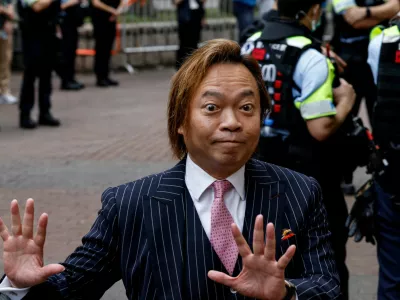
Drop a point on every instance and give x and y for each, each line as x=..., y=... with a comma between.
x=38, y=25
x=302, y=130
x=384, y=59
x=354, y=20
x=72, y=17
x=104, y=19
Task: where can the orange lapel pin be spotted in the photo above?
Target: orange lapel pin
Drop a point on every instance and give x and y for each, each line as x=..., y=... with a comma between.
x=287, y=234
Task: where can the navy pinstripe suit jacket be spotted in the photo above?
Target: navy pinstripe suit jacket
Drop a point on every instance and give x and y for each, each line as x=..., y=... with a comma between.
x=143, y=234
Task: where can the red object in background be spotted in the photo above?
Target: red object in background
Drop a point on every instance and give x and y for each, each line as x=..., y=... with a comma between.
x=278, y=84
x=277, y=96
x=397, y=60
x=259, y=54
x=277, y=108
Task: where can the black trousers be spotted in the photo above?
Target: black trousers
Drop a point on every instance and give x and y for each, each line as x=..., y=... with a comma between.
x=358, y=73
x=189, y=36
x=104, y=35
x=69, y=45
x=39, y=56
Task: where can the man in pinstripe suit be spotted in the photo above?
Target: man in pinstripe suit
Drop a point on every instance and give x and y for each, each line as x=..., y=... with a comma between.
x=170, y=235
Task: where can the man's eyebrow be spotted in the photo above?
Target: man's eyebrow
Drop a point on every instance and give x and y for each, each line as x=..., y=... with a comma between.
x=212, y=93
x=247, y=93
x=219, y=95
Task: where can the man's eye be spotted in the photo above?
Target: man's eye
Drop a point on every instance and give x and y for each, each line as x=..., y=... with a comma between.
x=247, y=107
x=211, y=107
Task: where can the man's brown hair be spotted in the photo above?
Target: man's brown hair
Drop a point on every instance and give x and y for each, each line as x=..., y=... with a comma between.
x=191, y=74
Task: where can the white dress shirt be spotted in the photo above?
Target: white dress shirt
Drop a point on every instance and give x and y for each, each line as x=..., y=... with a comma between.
x=199, y=183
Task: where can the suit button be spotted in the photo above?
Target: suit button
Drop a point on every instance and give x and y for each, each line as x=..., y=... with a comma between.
x=233, y=291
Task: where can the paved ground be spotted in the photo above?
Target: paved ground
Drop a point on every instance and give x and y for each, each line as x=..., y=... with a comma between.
x=108, y=137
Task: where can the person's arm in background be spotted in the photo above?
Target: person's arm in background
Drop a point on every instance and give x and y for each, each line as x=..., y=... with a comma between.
x=314, y=76
x=7, y=11
x=38, y=5
x=69, y=3
x=101, y=5
x=358, y=18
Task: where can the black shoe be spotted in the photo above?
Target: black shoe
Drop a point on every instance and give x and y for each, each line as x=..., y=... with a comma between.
x=26, y=122
x=71, y=86
x=80, y=84
x=112, y=82
x=102, y=83
x=48, y=120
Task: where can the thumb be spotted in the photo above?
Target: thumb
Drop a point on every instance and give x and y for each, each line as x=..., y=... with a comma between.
x=52, y=269
x=221, y=278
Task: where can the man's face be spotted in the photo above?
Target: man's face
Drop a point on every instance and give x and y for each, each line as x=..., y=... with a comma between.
x=223, y=125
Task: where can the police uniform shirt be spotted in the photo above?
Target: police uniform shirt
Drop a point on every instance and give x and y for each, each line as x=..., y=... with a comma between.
x=313, y=74
x=374, y=52
x=375, y=46
x=314, y=78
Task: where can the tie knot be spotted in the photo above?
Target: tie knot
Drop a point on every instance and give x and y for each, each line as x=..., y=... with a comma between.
x=221, y=187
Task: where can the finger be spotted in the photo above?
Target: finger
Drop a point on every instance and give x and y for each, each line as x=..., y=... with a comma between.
x=40, y=237
x=243, y=247
x=221, y=278
x=27, y=225
x=287, y=257
x=269, y=251
x=15, y=218
x=4, y=231
x=258, y=236
x=51, y=269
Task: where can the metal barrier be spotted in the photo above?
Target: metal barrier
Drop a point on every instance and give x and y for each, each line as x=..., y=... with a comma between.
x=147, y=26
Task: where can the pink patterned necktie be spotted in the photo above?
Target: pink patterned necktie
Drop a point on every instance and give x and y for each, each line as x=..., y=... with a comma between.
x=221, y=233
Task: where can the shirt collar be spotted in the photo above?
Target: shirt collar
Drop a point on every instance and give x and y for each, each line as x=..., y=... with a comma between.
x=197, y=180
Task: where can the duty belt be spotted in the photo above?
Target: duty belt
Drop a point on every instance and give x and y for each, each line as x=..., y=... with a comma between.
x=353, y=40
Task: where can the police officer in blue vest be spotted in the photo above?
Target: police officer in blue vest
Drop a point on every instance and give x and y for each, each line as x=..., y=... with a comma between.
x=304, y=130
x=38, y=27
x=384, y=194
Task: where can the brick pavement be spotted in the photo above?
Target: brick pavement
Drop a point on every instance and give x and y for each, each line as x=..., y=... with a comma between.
x=108, y=137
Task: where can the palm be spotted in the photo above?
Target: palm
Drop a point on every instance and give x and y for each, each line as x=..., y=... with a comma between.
x=254, y=274
x=262, y=276
x=23, y=253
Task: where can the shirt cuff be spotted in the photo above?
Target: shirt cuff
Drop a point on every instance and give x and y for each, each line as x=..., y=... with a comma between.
x=10, y=292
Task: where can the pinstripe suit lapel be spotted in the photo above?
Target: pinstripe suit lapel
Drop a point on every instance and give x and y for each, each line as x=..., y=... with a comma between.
x=265, y=195
x=165, y=220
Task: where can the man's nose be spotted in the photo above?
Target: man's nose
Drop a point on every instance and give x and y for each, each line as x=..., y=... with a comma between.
x=230, y=120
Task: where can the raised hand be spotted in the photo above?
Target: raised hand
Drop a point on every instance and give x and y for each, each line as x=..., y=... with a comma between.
x=262, y=277
x=23, y=252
